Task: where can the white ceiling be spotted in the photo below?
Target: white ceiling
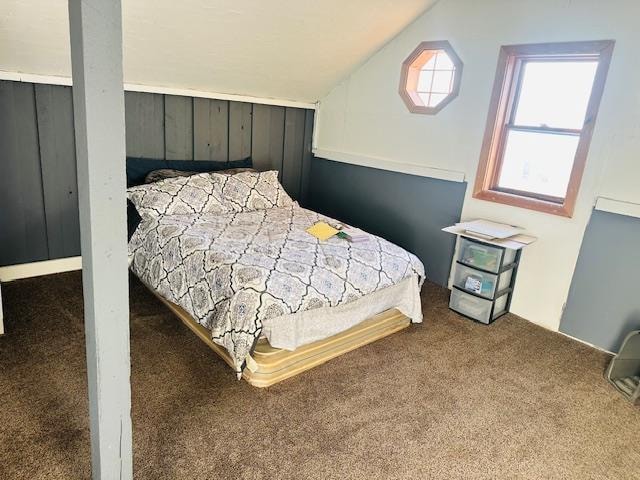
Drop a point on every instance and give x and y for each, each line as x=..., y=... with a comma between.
x=287, y=49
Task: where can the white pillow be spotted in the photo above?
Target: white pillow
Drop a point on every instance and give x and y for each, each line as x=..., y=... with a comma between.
x=249, y=191
x=200, y=193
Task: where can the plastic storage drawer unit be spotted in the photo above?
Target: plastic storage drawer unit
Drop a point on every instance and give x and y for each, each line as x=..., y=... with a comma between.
x=483, y=256
x=484, y=311
x=483, y=279
x=488, y=285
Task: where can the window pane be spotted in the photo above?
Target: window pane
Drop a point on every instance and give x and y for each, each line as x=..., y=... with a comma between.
x=424, y=80
x=555, y=93
x=538, y=162
x=425, y=97
x=442, y=81
x=431, y=63
x=444, y=62
x=436, y=98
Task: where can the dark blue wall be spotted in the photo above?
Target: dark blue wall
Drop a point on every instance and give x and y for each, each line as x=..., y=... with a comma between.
x=406, y=209
x=37, y=155
x=604, y=299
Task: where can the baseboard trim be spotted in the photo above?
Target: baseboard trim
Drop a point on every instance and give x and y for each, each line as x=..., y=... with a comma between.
x=390, y=165
x=557, y=330
x=584, y=342
x=185, y=92
x=36, y=269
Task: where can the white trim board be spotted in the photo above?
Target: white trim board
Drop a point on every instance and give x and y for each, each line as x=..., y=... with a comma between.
x=620, y=207
x=35, y=269
x=545, y=327
x=390, y=165
x=185, y=92
x=584, y=342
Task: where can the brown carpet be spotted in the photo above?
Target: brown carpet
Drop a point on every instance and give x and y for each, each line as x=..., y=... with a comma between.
x=449, y=399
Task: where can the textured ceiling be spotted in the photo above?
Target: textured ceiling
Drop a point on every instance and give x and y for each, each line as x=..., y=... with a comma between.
x=287, y=49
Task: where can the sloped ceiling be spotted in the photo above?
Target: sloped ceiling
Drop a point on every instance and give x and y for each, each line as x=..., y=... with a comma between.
x=287, y=49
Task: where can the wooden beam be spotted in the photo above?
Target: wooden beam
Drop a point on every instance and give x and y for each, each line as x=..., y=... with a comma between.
x=98, y=98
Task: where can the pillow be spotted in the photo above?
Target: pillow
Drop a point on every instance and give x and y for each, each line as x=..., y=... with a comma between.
x=201, y=193
x=163, y=174
x=138, y=168
x=133, y=219
x=249, y=191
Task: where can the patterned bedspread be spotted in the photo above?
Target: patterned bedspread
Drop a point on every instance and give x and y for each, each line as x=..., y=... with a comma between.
x=231, y=272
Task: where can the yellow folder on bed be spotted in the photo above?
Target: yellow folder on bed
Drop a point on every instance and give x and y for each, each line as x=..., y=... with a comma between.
x=322, y=231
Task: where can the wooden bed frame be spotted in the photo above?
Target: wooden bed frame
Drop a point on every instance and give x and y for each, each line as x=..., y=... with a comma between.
x=274, y=365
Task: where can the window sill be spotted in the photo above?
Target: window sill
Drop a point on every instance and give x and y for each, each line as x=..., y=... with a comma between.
x=563, y=210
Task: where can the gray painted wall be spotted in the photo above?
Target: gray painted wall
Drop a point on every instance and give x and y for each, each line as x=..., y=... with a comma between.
x=604, y=300
x=38, y=190
x=37, y=154
x=405, y=209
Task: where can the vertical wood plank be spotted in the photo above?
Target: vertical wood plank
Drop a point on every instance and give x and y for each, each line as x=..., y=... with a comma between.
x=210, y=129
x=293, y=150
x=54, y=107
x=144, y=113
x=95, y=28
x=306, y=157
x=240, y=130
x=23, y=231
x=178, y=127
x=267, y=138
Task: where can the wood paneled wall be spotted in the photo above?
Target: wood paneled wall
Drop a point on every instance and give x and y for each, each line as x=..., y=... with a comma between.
x=38, y=190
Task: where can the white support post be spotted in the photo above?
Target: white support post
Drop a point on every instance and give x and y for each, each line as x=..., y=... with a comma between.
x=98, y=101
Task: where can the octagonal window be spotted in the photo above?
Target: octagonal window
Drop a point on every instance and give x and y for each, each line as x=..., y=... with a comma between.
x=430, y=77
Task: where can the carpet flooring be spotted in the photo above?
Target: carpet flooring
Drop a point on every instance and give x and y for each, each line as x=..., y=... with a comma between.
x=450, y=399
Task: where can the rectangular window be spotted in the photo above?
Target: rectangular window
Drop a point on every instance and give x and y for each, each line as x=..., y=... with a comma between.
x=542, y=113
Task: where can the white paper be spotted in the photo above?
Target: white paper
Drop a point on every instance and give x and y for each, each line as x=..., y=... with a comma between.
x=490, y=229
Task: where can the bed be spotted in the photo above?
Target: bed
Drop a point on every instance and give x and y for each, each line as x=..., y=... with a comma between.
x=230, y=256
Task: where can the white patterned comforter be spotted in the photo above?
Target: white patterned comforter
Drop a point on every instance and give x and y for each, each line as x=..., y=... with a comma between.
x=232, y=272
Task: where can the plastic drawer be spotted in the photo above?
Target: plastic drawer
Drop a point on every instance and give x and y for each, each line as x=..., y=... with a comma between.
x=484, y=256
x=481, y=283
x=477, y=308
x=500, y=306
